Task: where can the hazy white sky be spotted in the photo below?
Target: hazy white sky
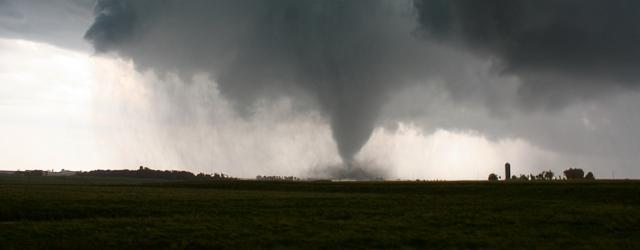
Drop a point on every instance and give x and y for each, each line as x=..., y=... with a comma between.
x=61, y=106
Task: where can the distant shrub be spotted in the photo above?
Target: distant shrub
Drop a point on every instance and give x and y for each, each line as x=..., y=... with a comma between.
x=574, y=174
x=493, y=177
x=523, y=178
x=543, y=176
x=590, y=177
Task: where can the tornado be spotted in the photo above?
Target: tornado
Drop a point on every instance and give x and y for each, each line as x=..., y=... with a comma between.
x=346, y=55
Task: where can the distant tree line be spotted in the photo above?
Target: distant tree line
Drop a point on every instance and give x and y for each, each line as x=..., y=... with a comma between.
x=31, y=173
x=569, y=174
x=148, y=173
x=277, y=178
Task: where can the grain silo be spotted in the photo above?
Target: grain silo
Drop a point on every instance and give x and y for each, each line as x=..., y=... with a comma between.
x=507, y=171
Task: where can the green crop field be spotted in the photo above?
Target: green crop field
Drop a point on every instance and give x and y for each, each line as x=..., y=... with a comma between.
x=98, y=213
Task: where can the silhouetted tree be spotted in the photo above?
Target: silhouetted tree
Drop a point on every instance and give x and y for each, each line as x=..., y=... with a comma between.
x=574, y=174
x=493, y=177
x=547, y=175
x=523, y=178
x=590, y=177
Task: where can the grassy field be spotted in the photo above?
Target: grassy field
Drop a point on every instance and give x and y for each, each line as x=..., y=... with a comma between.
x=68, y=212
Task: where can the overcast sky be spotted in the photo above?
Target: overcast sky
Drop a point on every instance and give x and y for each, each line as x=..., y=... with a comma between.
x=403, y=89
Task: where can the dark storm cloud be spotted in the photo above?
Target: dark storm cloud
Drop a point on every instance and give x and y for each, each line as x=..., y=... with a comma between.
x=492, y=59
x=562, y=50
x=346, y=55
x=114, y=22
x=8, y=12
x=58, y=22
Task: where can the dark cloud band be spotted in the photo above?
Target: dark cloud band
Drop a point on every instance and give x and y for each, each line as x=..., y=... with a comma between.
x=572, y=47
